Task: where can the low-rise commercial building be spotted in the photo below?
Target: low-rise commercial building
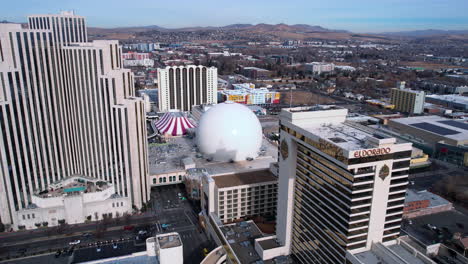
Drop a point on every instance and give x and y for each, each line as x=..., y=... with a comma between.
x=136, y=63
x=250, y=96
x=418, y=203
x=445, y=138
x=457, y=102
x=319, y=67
x=256, y=73
x=135, y=56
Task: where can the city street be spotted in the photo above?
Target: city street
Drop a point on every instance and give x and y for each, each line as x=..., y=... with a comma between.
x=170, y=212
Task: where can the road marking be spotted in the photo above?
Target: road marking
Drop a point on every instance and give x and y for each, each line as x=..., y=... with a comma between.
x=185, y=212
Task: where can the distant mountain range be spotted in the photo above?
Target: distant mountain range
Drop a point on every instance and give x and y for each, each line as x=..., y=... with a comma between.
x=426, y=33
x=283, y=31
x=300, y=28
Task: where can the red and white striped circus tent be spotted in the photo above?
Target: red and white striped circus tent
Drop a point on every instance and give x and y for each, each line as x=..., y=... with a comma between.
x=173, y=123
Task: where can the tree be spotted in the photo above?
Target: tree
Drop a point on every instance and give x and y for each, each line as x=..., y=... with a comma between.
x=2, y=227
x=89, y=217
x=45, y=223
x=37, y=225
x=61, y=221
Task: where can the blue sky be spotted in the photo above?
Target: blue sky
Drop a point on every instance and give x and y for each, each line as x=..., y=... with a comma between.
x=353, y=15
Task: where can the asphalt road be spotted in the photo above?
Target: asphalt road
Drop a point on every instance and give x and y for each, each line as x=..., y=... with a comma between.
x=169, y=213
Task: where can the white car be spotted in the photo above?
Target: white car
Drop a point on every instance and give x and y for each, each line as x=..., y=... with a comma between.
x=75, y=242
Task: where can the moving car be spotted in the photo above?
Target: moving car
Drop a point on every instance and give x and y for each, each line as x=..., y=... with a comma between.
x=74, y=242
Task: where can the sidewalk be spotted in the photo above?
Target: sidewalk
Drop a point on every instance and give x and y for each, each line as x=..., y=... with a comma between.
x=42, y=234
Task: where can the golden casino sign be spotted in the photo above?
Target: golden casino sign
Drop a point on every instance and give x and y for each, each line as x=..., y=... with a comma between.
x=371, y=152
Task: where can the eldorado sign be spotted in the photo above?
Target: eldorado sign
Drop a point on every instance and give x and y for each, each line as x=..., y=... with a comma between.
x=371, y=152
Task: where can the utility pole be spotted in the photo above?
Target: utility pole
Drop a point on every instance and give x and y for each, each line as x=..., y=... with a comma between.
x=290, y=97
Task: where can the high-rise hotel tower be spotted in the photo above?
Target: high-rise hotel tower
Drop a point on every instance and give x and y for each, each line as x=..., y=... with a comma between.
x=181, y=87
x=66, y=108
x=341, y=187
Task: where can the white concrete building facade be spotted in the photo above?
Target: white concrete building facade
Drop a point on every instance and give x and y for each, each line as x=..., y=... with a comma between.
x=340, y=188
x=181, y=87
x=74, y=200
x=66, y=108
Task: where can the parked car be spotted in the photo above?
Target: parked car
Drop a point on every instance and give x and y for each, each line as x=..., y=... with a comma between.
x=128, y=227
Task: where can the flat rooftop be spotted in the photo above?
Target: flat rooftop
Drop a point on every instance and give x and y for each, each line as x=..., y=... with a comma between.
x=341, y=135
x=410, y=90
x=244, y=178
x=329, y=123
x=254, y=68
x=241, y=237
x=136, y=258
x=450, y=98
x=434, y=200
x=268, y=243
x=441, y=126
x=169, y=241
x=388, y=256
x=166, y=158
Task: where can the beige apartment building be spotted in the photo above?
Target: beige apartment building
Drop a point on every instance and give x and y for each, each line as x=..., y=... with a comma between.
x=407, y=100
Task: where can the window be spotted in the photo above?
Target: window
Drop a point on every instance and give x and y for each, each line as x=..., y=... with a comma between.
x=24, y=217
x=33, y=216
x=180, y=177
x=154, y=181
x=113, y=205
x=29, y=217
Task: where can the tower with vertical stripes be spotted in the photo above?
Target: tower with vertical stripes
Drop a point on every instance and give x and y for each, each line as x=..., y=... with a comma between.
x=67, y=107
x=181, y=87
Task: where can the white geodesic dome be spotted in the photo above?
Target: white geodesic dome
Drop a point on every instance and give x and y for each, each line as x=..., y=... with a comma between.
x=229, y=132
